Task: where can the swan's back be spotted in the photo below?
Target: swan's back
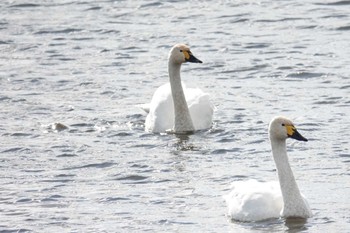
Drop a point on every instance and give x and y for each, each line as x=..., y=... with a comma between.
x=254, y=201
x=201, y=109
x=161, y=109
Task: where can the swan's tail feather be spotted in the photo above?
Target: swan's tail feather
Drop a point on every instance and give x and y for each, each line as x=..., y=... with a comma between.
x=144, y=107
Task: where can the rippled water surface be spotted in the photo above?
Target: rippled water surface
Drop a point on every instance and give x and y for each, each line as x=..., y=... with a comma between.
x=74, y=154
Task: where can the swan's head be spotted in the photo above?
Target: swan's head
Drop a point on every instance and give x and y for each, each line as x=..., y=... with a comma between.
x=282, y=128
x=181, y=53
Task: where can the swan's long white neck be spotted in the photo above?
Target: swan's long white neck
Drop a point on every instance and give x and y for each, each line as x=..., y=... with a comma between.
x=183, y=122
x=294, y=204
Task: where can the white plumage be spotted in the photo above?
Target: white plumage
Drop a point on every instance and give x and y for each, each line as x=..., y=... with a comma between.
x=254, y=201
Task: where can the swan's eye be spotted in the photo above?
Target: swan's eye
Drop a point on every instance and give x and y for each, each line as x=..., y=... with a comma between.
x=283, y=124
x=181, y=51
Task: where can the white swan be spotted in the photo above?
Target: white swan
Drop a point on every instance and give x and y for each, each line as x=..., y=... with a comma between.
x=255, y=201
x=175, y=108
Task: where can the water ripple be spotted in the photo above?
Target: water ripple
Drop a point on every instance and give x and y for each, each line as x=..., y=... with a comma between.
x=63, y=31
x=224, y=151
x=343, y=28
x=93, y=165
x=337, y=3
x=305, y=75
x=132, y=177
x=24, y=5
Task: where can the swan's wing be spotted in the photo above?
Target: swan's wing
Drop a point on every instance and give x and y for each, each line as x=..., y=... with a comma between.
x=161, y=110
x=201, y=109
x=254, y=201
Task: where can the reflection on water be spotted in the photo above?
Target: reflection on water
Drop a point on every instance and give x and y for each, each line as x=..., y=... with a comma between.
x=292, y=225
x=295, y=224
x=184, y=143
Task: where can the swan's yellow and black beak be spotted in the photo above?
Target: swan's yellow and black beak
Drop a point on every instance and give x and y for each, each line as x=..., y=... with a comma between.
x=190, y=58
x=292, y=132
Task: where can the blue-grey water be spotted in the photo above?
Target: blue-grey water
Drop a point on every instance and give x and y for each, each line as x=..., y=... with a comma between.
x=74, y=156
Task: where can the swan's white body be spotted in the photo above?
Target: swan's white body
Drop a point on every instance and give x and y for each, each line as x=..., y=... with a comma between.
x=255, y=201
x=161, y=115
x=175, y=107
